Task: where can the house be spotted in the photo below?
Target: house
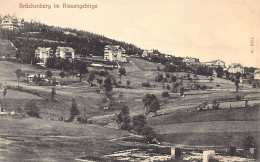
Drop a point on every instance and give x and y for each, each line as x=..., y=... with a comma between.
x=114, y=53
x=65, y=52
x=11, y=22
x=31, y=78
x=146, y=53
x=257, y=74
x=215, y=64
x=43, y=54
x=190, y=61
x=236, y=68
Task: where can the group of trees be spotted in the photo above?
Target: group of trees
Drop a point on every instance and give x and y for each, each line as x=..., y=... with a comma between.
x=151, y=103
x=35, y=34
x=137, y=124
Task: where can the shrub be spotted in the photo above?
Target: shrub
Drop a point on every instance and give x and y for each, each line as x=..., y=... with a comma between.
x=74, y=108
x=138, y=123
x=149, y=134
x=165, y=94
x=204, y=87
x=123, y=119
x=128, y=82
x=215, y=104
x=146, y=84
x=89, y=121
x=248, y=142
x=238, y=98
x=31, y=109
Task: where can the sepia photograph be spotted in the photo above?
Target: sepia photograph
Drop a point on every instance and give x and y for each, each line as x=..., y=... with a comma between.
x=129, y=80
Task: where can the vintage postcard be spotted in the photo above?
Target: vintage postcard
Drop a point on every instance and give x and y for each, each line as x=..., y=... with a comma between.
x=129, y=80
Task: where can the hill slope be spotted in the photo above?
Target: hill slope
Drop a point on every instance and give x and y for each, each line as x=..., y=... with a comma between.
x=35, y=35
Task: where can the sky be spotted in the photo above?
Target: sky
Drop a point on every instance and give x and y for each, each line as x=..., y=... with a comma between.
x=204, y=29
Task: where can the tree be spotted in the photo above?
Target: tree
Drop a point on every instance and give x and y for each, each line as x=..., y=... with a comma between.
x=168, y=87
x=74, y=109
x=128, y=82
x=120, y=96
x=151, y=103
x=48, y=74
x=182, y=91
x=138, y=123
x=211, y=79
x=18, y=73
x=91, y=77
x=62, y=74
x=123, y=119
x=31, y=109
x=4, y=94
x=149, y=134
x=53, y=93
x=237, y=84
x=248, y=142
x=100, y=81
x=82, y=70
x=154, y=107
x=215, y=104
x=108, y=87
x=121, y=71
x=165, y=95
x=220, y=72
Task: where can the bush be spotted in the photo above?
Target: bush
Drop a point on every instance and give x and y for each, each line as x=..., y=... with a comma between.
x=31, y=109
x=204, y=87
x=146, y=84
x=138, y=123
x=82, y=119
x=149, y=134
x=89, y=121
x=215, y=104
x=165, y=94
x=123, y=119
x=248, y=142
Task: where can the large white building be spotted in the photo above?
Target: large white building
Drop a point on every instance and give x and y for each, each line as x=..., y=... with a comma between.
x=43, y=54
x=146, y=53
x=65, y=52
x=215, y=63
x=257, y=74
x=11, y=22
x=236, y=68
x=190, y=61
x=115, y=53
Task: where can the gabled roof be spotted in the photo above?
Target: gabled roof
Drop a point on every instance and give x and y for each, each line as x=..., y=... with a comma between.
x=66, y=49
x=257, y=71
x=43, y=49
x=234, y=65
x=114, y=48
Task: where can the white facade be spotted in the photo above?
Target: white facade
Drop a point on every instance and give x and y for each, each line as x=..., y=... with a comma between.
x=257, y=74
x=11, y=22
x=43, y=54
x=215, y=63
x=190, y=61
x=236, y=68
x=65, y=52
x=115, y=53
x=146, y=53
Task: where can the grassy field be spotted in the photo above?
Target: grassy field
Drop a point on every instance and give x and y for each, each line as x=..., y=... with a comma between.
x=234, y=114
x=32, y=139
x=59, y=141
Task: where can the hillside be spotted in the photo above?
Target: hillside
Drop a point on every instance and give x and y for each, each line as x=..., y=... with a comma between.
x=34, y=35
x=6, y=49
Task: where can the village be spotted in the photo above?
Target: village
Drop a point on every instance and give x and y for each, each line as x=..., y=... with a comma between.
x=142, y=106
